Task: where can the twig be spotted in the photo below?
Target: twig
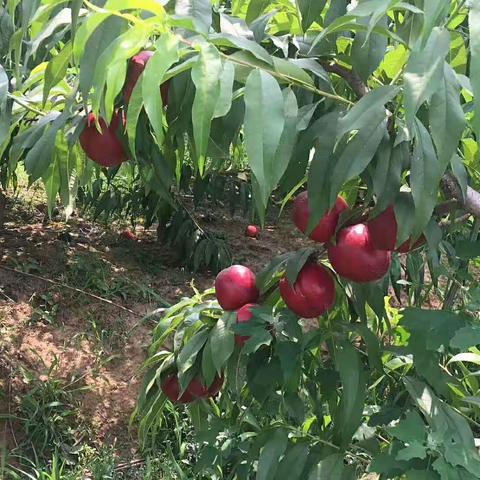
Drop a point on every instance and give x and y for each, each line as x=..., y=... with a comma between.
x=351, y=77
x=74, y=289
x=288, y=78
x=25, y=105
x=127, y=465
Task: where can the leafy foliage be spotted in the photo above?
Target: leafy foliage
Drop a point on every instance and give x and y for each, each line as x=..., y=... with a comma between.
x=373, y=99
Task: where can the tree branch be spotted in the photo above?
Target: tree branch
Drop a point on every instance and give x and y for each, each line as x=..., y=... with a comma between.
x=351, y=77
x=450, y=187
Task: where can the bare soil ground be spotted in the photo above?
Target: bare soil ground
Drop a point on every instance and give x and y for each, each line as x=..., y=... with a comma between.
x=49, y=332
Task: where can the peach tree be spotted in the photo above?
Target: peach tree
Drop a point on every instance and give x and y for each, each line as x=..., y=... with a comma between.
x=367, y=112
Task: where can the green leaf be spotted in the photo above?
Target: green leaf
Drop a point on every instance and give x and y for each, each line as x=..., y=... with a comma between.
x=205, y=76
x=367, y=110
x=424, y=72
x=224, y=101
x=394, y=61
x=135, y=106
x=387, y=176
x=296, y=263
x=291, y=71
x=434, y=12
x=289, y=136
x=474, y=29
x=148, y=5
x=227, y=40
x=411, y=428
x=120, y=50
x=466, y=337
x=447, y=119
x=350, y=411
x=290, y=355
x=268, y=460
x=189, y=352
x=367, y=53
x=321, y=166
x=40, y=156
x=222, y=341
x=421, y=475
x=332, y=468
x=51, y=181
x=460, y=172
x=199, y=10
x=449, y=429
x=467, y=249
x=56, y=70
x=413, y=450
x=3, y=87
x=358, y=153
x=255, y=9
x=450, y=472
x=293, y=463
x=264, y=123
x=310, y=12
x=425, y=175
x=94, y=46
x=208, y=368
x=7, y=28
x=166, y=54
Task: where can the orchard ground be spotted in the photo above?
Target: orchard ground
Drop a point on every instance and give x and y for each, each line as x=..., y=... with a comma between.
x=51, y=335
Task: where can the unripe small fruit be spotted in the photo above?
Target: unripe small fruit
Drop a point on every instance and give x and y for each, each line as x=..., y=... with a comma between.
x=252, y=231
x=135, y=69
x=355, y=258
x=313, y=292
x=104, y=147
x=327, y=225
x=235, y=286
x=244, y=315
x=171, y=388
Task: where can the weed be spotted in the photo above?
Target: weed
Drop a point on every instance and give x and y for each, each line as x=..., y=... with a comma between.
x=110, y=336
x=45, y=308
x=48, y=411
x=96, y=275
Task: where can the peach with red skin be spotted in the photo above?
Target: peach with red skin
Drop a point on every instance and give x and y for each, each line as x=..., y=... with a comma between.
x=128, y=235
x=235, y=286
x=135, y=69
x=312, y=294
x=198, y=390
x=325, y=228
x=355, y=258
x=171, y=388
x=252, y=231
x=103, y=147
x=384, y=230
x=244, y=315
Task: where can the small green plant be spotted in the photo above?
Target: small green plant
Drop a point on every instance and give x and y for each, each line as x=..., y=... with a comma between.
x=45, y=308
x=49, y=414
x=98, y=276
x=31, y=471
